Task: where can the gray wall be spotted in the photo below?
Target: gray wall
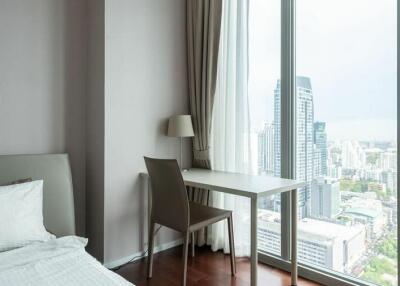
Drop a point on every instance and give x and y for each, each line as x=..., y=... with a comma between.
x=145, y=83
x=42, y=83
x=97, y=79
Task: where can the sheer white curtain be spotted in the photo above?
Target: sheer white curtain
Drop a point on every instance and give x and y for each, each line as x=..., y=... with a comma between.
x=230, y=141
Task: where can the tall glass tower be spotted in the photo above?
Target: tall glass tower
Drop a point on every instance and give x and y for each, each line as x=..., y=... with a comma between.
x=304, y=138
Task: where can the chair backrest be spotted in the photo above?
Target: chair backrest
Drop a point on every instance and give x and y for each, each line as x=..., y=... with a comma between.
x=170, y=204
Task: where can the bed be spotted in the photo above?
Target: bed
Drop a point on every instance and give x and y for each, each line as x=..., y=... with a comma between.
x=62, y=260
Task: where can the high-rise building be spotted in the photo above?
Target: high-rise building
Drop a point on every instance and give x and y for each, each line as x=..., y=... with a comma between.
x=321, y=146
x=266, y=149
x=325, y=198
x=277, y=133
x=304, y=138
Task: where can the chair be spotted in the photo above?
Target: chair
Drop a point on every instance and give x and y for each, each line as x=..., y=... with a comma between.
x=171, y=208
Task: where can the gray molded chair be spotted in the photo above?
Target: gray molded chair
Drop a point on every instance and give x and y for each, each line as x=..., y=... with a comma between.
x=171, y=208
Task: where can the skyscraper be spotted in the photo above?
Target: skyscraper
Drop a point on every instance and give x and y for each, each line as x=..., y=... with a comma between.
x=266, y=149
x=321, y=147
x=304, y=138
x=277, y=133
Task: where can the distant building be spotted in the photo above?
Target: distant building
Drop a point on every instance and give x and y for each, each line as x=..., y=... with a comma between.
x=317, y=167
x=325, y=198
x=349, y=197
x=374, y=174
x=266, y=151
x=361, y=209
x=353, y=156
x=324, y=244
x=390, y=179
x=304, y=138
x=374, y=220
x=377, y=187
x=388, y=159
x=277, y=133
x=335, y=171
x=321, y=146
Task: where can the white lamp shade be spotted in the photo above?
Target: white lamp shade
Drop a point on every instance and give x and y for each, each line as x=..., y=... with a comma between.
x=180, y=126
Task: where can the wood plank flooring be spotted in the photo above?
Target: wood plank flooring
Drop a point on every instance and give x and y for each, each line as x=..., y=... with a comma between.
x=206, y=269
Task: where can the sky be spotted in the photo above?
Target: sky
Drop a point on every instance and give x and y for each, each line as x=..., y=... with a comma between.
x=347, y=48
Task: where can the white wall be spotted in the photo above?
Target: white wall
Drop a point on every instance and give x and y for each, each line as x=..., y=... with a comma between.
x=145, y=83
x=42, y=83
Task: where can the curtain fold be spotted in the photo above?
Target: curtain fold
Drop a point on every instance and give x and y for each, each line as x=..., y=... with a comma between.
x=203, y=36
x=230, y=142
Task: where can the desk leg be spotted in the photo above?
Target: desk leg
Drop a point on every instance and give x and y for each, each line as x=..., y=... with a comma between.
x=294, y=236
x=149, y=203
x=254, y=247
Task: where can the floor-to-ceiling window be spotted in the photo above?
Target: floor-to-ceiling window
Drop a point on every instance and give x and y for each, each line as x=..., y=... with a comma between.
x=346, y=60
x=345, y=118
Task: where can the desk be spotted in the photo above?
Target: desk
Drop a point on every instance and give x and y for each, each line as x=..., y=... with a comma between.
x=252, y=187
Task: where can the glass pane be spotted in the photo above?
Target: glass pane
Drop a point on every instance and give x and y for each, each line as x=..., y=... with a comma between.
x=264, y=72
x=346, y=137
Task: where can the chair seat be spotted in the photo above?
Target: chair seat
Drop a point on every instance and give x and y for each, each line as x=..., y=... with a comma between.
x=202, y=216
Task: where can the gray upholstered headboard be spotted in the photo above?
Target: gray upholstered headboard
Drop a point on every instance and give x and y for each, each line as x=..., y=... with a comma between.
x=58, y=198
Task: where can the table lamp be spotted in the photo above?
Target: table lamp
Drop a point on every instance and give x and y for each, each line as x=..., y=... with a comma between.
x=180, y=126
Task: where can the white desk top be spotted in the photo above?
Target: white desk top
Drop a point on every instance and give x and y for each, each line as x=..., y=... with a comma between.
x=239, y=184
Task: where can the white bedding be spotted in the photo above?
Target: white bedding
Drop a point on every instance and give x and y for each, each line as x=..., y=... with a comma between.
x=61, y=261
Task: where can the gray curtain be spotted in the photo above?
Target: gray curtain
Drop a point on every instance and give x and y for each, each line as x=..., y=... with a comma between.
x=203, y=36
x=203, y=31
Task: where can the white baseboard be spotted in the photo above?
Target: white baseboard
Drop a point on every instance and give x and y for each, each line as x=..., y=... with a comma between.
x=141, y=254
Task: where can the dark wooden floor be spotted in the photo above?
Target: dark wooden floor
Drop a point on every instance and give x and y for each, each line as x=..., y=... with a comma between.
x=206, y=269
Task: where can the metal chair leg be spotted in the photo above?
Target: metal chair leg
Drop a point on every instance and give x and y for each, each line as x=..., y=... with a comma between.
x=193, y=244
x=232, y=245
x=185, y=257
x=150, y=251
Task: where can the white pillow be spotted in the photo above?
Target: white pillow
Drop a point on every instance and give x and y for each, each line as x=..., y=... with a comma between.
x=21, y=215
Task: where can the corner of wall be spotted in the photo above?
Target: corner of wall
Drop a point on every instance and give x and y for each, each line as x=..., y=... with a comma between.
x=95, y=130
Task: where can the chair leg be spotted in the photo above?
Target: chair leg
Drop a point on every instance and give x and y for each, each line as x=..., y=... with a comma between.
x=150, y=251
x=193, y=244
x=232, y=245
x=185, y=257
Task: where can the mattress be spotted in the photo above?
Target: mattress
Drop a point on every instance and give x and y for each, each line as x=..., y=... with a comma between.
x=61, y=261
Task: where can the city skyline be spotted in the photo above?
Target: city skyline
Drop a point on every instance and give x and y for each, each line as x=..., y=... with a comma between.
x=351, y=188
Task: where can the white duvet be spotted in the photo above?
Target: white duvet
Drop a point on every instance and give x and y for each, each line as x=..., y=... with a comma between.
x=61, y=261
